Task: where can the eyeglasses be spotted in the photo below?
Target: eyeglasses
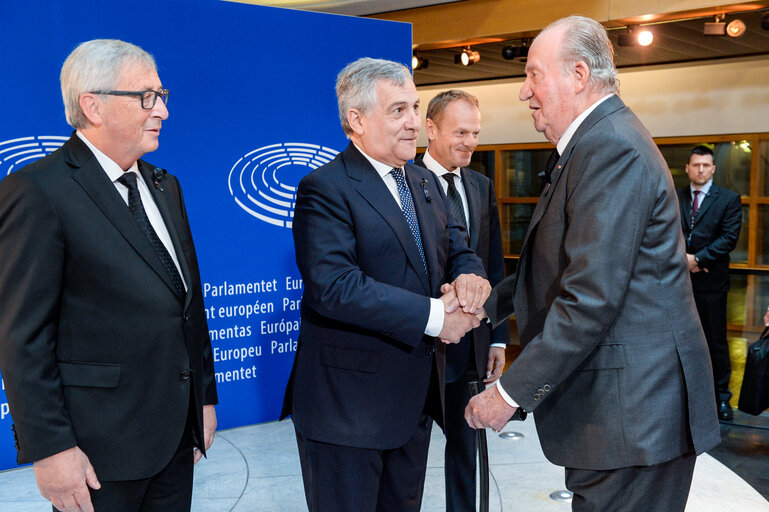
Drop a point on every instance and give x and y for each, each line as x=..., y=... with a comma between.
x=148, y=97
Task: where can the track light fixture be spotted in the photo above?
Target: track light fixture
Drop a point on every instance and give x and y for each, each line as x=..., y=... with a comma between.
x=418, y=62
x=468, y=57
x=519, y=53
x=735, y=28
x=635, y=36
x=716, y=27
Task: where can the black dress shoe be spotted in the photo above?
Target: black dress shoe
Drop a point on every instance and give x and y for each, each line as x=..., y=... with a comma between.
x=725, y=412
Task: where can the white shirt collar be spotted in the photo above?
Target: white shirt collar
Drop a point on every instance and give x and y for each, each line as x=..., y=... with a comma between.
x=704, y=188
x=382, y=169
x=569, y=133
x=432, y=164
x=112, y=169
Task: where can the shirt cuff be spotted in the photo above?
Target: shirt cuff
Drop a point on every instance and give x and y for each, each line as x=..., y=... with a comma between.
x=505, y=396
x=435, y=320
x=500, y=345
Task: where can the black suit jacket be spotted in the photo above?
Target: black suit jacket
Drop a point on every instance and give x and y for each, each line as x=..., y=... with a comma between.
x=713, y=236
x=363, y=364
x=486, y=242
x=614, y=361
x=93, y=339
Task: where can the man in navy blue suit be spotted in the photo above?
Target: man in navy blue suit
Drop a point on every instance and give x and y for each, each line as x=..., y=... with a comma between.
x=453, y=125
x=711, y=217
x=374, y=243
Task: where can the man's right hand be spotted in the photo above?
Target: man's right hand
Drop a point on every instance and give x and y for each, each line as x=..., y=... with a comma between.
x=64, y=478
x=456, y=324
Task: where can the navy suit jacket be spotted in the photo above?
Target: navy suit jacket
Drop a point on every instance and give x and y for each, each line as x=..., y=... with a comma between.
x=713, y=236
x=486, y=242
x=93, y=339
x=363, y=364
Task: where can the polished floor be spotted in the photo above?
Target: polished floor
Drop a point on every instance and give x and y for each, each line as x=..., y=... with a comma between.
x=256, y=469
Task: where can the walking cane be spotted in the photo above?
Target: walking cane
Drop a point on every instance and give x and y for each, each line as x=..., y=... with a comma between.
x=483, y=455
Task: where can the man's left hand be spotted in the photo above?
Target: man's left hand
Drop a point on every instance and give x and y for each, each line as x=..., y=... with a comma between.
x=488, y=410
x=209, y=429
x=495, y=364
x=472, y=292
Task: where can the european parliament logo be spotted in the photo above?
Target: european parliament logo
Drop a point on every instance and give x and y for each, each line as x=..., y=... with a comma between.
x=263, y=182
x=16, y=153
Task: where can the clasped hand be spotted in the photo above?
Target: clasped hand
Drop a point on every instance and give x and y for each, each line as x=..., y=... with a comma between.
x=463, y=305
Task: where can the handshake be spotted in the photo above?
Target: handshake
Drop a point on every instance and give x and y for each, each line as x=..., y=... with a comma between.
x=463, y=302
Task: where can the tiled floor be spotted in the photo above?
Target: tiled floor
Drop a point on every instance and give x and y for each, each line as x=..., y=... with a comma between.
x=256, y=469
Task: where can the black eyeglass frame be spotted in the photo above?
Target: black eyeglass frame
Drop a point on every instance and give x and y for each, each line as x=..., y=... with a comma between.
x=162, y=93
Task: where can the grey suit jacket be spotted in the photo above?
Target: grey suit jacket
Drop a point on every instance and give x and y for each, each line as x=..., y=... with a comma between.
x=615, y=365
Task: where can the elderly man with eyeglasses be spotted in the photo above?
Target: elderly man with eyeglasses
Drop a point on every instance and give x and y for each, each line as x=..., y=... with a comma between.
x=104, y=347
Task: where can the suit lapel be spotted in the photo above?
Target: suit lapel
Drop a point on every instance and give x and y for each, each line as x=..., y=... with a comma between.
x=609, y=106
x=94, y=181
x=161, y=200
x=418, y=185
x=707, y=202
x=473, y=195
x=685, y=205
x=373, y=189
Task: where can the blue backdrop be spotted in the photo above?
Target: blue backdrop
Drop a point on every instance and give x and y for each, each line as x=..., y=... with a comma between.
x=252, y=110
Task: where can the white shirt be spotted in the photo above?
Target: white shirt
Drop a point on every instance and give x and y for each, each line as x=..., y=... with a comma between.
x=435, y=320
x=432, y=164
x=560, y=147
x=704, y=189
x=114, y=172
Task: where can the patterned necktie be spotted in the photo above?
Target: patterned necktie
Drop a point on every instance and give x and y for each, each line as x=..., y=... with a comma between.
x=408, y=210
x=695, y=206
x=137, y=209
x=455, y=200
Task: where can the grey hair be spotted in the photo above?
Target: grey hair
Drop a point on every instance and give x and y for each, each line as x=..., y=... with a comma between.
x=443, y=99
x=586, y=40
x=95, y=66
x=356, y=85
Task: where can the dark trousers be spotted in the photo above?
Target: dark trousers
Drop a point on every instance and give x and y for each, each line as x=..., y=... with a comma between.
x=169, y=490
x=660, y=488
x=711, y=307
x=460, y=461
x=348, y=479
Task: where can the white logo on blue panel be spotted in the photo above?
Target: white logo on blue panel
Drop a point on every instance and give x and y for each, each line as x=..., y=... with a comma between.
x=263, y=182
x=16, y=153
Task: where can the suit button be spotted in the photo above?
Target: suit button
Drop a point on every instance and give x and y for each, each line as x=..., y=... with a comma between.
x=537, y=396
x=429, y=350
x=546, y=387
x=185, y=375
x=186, y=318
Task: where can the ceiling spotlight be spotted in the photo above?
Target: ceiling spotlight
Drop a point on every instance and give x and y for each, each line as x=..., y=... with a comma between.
x=715, y=28
x=519, y=53
x=735, y=28
x=468, y=57
x=418, y=62
x=645, y=37
x=633, y=37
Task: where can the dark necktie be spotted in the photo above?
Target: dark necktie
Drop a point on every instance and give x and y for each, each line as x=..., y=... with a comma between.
x=137, y=209
x=551, y=161
x=695, y=206
x=455, y=200
x=407, y=204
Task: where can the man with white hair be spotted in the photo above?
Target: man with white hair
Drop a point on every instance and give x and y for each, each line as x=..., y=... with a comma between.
x=375, y=240
x=614, y=363
x=104, y=346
